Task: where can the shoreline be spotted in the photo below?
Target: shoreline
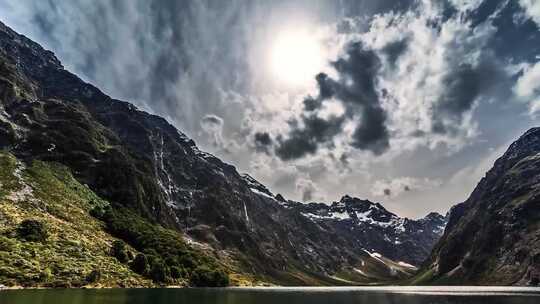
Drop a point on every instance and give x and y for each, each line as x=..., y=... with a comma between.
x=427, y=290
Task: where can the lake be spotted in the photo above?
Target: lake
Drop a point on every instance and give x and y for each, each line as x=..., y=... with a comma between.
x=279, y=295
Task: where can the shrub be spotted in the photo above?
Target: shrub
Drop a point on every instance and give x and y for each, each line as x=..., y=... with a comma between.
x=119, y=251
x=203, y=276
x=94, y=276
x=46, y=275
x=100, y=212
x=158, y=272
x=140, y=264
x=32, y=230
x=176, y=272
x=188, y=261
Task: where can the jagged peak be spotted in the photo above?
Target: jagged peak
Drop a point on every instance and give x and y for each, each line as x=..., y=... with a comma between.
x=526, y=144
x=355, y=202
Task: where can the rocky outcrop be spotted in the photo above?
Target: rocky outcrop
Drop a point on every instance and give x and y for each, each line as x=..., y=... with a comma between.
x=493, y=238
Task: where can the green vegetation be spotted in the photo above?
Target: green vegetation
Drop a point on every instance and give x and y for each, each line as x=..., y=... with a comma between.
x=119, y=251
x=166, y=258
x=32, y=231
x=140, y=264
x=204, y=276
x=47, y=237
x=56, y=232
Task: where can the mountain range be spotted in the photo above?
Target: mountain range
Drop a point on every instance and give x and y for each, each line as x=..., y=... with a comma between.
x=95, y=192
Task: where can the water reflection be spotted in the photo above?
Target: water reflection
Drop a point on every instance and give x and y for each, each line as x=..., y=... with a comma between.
x=269, y=296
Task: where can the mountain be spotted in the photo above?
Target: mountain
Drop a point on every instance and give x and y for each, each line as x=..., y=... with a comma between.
x=493, y=238
x=369, y=225
x=167, y=211
x=368, y=228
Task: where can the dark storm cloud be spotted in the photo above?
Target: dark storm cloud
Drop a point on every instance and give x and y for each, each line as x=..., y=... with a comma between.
x=305, y=140
x=355, y=88
x=263, y=142
x=394, y=50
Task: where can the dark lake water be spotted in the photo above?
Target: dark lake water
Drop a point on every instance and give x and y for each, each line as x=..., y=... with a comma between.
x=376, y=295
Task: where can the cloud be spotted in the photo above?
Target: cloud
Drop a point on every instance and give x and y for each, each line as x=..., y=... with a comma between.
x=411, y=79
x=439, y=76
x=397, y=186
x=212, y=125
x=355, y=89
x=419, y=84
x=527, y=86
x=532, y=9
x=263, y=141
x=305, y=139
x=308, y=190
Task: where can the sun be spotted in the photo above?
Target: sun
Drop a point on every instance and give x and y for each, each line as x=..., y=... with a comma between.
x=296, y=56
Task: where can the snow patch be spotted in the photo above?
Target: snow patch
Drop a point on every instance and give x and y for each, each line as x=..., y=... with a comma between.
x=406, y=265
x=439, y=229
x=245, y=212
x=258, y=192
x=331, y=216
x=340, y=215
x=360, y=272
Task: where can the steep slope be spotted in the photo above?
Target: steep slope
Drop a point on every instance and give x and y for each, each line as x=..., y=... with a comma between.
x=146, y=168
x=75, y=248
x=493, y=238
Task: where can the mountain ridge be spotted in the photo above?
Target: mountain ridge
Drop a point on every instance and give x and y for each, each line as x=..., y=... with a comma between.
x=149, y=171
x=492, y=238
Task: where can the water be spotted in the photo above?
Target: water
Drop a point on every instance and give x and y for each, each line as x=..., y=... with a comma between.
x=368, y=295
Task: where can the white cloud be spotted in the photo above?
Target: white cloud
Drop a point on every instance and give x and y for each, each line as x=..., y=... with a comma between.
x=466, y=5
x=532, y=9
x=421, y=81
x=308, y=189
x=212, y=125
x=527, y=87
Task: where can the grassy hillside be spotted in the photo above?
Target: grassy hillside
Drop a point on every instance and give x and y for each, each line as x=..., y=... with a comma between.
x=55, y=232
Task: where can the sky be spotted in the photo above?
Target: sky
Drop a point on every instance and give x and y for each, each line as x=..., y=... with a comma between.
x=407, y=103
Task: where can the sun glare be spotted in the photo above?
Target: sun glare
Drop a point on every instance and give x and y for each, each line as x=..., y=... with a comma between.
x=296, y=57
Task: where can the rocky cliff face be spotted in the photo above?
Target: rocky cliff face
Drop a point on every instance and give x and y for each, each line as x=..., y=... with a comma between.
x=369, y=226
x=494, y=236
x=139, y=161
x=364, y=225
